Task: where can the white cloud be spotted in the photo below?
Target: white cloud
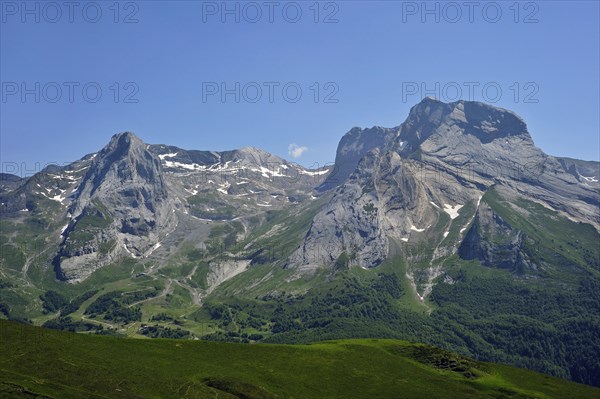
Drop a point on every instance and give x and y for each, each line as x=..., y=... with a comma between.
x=295, y=150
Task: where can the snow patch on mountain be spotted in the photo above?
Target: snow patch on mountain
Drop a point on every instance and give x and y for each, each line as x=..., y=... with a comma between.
x=171, y=155
x=452, y=210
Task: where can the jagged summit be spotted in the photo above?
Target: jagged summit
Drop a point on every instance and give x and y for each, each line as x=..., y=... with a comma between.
x=483, y=121
x=121, y=205
x=124, y=142
x=125, y=159
x=434, y=125
x=394, y=183
x=127, y=135
x=386, y=183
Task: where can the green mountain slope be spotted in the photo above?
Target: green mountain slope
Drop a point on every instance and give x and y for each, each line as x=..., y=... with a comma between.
x=543, y=318
x=452, y=230
x=51, y=364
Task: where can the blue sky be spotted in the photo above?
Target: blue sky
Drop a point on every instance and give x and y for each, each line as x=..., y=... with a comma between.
x=369, y=64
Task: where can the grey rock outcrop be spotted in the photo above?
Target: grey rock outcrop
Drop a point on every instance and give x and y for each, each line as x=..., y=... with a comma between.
x=586, y=172
x=353, y=146
x=122, y=206
x=352, y=218
x=441, y=158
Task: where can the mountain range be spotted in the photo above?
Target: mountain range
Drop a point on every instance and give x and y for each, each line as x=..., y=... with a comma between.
x=451, y=228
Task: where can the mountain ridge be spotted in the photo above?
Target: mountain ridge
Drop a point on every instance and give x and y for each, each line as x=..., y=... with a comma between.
x=415, y=229
x=451, y=154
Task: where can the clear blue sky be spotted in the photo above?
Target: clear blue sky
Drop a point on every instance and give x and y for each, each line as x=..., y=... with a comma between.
x=374, y=54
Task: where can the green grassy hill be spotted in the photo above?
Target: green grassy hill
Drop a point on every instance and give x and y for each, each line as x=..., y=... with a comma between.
x=38, y=363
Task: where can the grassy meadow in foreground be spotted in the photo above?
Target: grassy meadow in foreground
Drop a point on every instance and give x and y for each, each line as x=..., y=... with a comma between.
x=38, y=363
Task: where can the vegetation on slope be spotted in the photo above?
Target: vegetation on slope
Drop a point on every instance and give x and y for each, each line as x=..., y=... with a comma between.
x=79, y=365
x=544, y=319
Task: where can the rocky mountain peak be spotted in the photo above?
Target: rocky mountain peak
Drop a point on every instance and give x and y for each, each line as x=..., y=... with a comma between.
x=125, y=158
x=122, y=145
x=122, y=204
x=406, y=181
x=489, y=123
x=483, y=121
x=253, y=155
x=125, y=139
x=431, y=124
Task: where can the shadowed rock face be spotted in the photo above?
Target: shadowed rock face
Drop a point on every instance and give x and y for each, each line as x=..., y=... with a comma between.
x=122, y=205
x=489, y=123
x=494, y=242
x=486, y=123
